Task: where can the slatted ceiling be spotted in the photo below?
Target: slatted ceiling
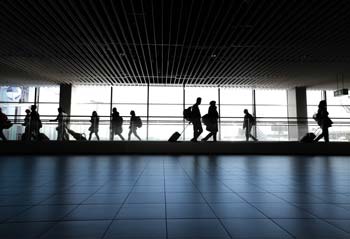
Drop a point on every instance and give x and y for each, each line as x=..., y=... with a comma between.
x=242, y=43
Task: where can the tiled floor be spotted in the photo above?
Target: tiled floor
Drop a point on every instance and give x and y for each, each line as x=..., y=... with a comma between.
x=174, y=197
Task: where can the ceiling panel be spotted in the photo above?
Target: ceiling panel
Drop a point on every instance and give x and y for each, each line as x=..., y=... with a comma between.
x=246, y=43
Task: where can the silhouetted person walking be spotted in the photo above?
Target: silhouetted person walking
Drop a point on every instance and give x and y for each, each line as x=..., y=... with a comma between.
x=248, y=123
x=26, y=124
x=3, y=123
x=95, y=121
x=35, y=123
x=323, y=121
x=196, y=120
x=117, y=124
x=212, y=121
x=135, y=122
x=62, y=119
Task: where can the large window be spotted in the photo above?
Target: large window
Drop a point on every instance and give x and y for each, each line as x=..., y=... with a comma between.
x=127, y=98
x=165, y=111
x=271, y=113
x=207, y=94
x=85, y=100
x=339, y=111
x=232, y=103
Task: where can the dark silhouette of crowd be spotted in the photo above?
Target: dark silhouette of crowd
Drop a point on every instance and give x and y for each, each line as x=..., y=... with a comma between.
x=32, y=124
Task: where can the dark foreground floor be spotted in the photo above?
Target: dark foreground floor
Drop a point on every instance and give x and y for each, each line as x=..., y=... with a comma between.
x=174, y=197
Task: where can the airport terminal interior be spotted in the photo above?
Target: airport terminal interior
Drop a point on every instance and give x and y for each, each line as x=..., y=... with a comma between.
x=172, y=119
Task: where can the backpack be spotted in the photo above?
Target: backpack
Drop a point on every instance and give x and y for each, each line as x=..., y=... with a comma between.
x=120, y=120
x=138, y=122
x=206, y=119
x=252, y=119
x=188, y=114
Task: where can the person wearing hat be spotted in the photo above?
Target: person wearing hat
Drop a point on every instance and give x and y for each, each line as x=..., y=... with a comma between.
x=211, y=121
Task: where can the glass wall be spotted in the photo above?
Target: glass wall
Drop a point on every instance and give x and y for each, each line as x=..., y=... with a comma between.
x=271, y=113
x=161, y=110
x=15, y=100
x=207, y=94
x=165, y=111
x=339, y=111
x=127, y=98
x=85, y=100
x=233, y=101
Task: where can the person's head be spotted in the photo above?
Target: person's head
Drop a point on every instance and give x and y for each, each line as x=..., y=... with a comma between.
x=33, y=108
x=60, y=110
x=212, y=103
x=27, y=111
x=199, y=101
x=94, y=113
x=114, y=110
x=322, y=104
x=245, y=111
x=132, y=113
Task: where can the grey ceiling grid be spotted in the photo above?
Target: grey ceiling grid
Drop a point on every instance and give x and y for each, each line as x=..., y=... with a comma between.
x=238, y=43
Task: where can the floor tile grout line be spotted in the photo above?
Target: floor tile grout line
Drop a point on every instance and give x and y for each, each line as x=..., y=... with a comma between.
x=212, y=210
x=124, y=201
x=309, y=212
x=258, y=209
x=68, y=213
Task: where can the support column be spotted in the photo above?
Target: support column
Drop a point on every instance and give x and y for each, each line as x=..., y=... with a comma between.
x=66, y=97
x=297, y=113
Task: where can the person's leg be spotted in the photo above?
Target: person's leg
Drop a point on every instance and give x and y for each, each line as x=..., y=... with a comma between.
x=98, y=137
x=90, y=135
x=200, y=129
x=246, y=134
x=326, y=135
x=2, y=136
x=135, y=133
x=129, y=134
x=194, y=131
x=214, y=136
x=121, y=136
x=250, y=134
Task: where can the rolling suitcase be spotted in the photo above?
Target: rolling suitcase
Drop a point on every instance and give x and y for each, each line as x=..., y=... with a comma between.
x=175, y=136
x=310, y=137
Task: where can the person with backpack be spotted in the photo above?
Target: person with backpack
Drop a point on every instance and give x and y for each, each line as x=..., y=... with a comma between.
x=95, y=121
x=117, y=124
x=248, y=123
x=135, y=122
x=211, y=121
x=3, y=124
x=323, y=121
x=196, y=120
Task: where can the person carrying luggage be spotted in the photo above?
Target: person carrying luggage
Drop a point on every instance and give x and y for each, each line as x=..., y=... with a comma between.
x=323, y=121
x=135, y=122
x=117, y=124
x=248, y=123
x=196, y=120
x=62, y=119
x=211, y=121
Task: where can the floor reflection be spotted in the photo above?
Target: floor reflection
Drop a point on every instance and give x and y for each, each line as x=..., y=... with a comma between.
x=174, y=197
